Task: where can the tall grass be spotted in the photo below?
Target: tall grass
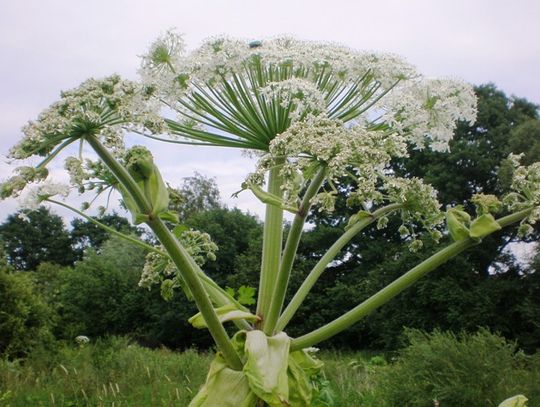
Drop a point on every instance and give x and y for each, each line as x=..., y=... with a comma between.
x=107, y=373
x=479, y=370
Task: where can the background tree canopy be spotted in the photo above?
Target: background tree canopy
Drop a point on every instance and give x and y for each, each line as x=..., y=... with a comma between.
x=90, y=281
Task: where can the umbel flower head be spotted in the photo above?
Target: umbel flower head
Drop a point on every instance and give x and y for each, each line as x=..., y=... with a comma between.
x=239, y=94
x=102, y=108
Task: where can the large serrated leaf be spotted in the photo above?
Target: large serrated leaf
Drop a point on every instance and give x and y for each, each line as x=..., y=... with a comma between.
x=302, y=367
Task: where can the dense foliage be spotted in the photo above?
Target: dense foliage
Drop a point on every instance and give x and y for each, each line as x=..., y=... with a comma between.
x=457, y=370
x=32, y=237
x=26, y=319
x=481, y=288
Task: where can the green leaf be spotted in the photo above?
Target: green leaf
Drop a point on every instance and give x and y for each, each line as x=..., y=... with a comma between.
x=224, y=387
x=516, y=401
x=309, y=364
x=229, y=312
x=266, y=366
x=457, y=222
x=300, y=389
x=483, y=226
x=179, y=229
x=246, y=295
x=169, y=216
x=302, y=368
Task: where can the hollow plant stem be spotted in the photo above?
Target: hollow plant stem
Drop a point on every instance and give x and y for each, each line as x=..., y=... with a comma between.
x=177, y=253
x=330, y=255
x=289, y=252
x=272, y=241
x=394, y=288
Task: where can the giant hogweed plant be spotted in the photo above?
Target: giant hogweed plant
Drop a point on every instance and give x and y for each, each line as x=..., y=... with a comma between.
x=320, y=118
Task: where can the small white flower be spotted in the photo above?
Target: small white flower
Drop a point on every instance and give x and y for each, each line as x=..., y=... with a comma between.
x=36, y=194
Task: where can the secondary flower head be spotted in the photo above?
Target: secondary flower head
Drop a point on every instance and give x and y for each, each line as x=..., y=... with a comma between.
x=36, y=194
x=525, y=192
x=101, y=108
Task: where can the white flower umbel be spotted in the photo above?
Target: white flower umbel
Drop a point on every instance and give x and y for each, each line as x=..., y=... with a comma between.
x=36, y=194
x=344, y=152
x=239, y=94
x=427, y=111
x=101, y=108
x=526, y=192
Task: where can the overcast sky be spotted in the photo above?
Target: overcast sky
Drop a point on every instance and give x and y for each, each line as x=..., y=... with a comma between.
x=48, y=46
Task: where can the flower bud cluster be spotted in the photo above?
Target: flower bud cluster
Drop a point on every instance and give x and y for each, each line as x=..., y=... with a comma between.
x=526, y=192
x=13, y=186
x=420, y=207
x=159, y=269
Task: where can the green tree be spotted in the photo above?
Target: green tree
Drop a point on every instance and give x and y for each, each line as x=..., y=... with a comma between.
x=33, y=237
x=86, y=234
x=237, y=234
x=196, y=194
x=93, y=294
x=484, y=287
x=26, y=320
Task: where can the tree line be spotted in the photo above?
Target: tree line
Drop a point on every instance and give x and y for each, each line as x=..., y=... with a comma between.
x=57, y=283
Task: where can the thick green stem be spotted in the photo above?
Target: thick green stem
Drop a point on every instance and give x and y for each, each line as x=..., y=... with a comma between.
x=289, y=252
x=181, y=259
x=394, y=288
x=121, y=174
x=178, y=255
x=272, y=241
x=329, y=256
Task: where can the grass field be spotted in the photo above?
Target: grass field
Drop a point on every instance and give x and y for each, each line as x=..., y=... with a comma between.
x=116, y=373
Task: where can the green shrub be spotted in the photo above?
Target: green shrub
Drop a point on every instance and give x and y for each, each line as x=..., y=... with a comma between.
x=25, y=318
x=465, y=370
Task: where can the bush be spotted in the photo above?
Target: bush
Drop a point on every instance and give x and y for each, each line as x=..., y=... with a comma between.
x=25, y=318
x=465, y=370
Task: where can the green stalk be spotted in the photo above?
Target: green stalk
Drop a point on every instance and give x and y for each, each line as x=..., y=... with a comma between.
x=394, y=288
x=53, y=154
x=289, y=253
x=178, y=255
x=181, y=259
x=272, y=241
x=319, y=268
x=218, y=295
x=112, y=231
